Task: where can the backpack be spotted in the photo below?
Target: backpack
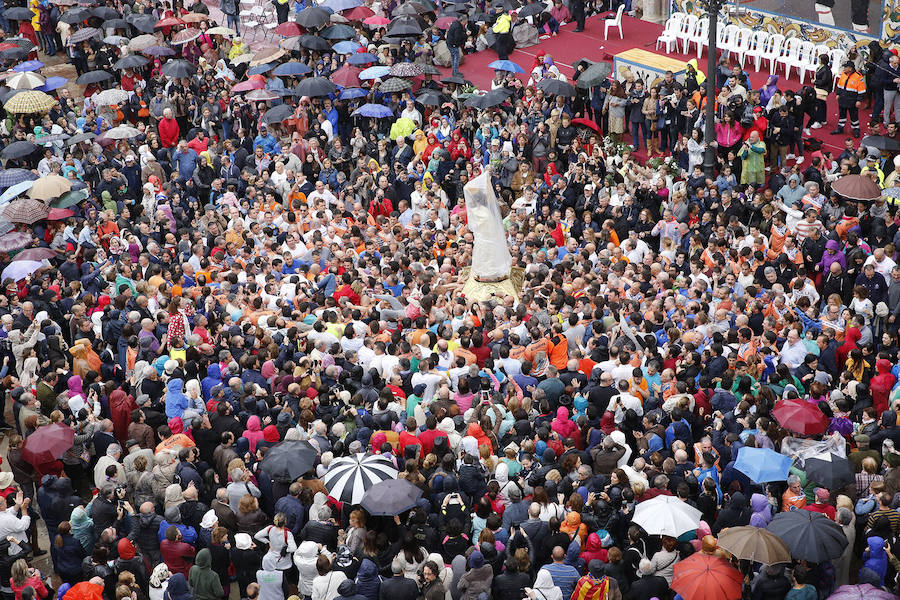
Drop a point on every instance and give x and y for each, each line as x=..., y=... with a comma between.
x=453, y=507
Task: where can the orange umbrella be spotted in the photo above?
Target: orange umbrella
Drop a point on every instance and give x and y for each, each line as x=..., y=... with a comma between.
x=706, y=577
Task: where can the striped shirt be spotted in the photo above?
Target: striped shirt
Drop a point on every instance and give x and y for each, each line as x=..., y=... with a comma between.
x=892, y=515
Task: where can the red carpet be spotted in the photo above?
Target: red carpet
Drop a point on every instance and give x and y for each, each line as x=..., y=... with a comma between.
x=568, y=47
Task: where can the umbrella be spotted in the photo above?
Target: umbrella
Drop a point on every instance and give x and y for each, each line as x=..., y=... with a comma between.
x=278, y=114
x=194, y=17
x=82, y=35
x=390, y=497
x=178, y=68
x=18, y=149
x=346, y=76
x=754, y=543
x=243, y=58
x=145, y=24
x=291, y=69
x=143, y=42
x=266, y=56
x=316, y=87
x=359, y=13
x=506, y=65
x=262, y=95
x=892, y=192
x=116, y=40
x=363, y=58
x=857, y=187
x=444, y=22
x=409, y=9
x=69, y=199
x=11, y=177
x=492, y=98
x=531, y=9
x=80, y=137
x=810, y=535
x=47, y=443
x=18, y=13
x=45, y=140
x=110, y=97
x=30, y=101
x=49, y=186
x=20, y=269
x=122, y=132
x=314, y=42
x=349, y=477
x=762, y=465
x=556, y=87
x=376, y=72
x=338, y=32
x=24, y=81
x=800, y=416
x=288, y=460
x=594, y=75
x=169, y=22
x=14, y=53
x=833, y=473
x=350, y=93
x=394, y=84
x=376, y=21
x=76, y=15
x=666, y=515
x=131, y=61
x=15, y=240
x=38, y=254
x=105, y=13
x=865, y=591
x=376, y=111
x=706, y=577
x=254, y=82
x=158, y=51
x=406, y=69
x=404, y=27
x=339, y=5
x=260, y=69
x=26, y=210
x=346, y=47
x=115, y=24
x=312, y=17
x=53, y=83
x=586, y=123
x=28, y=65
x=15, y=191
x=219, y=30
x=58, y=214
x=454, y=79
x=430, y=98
x=288, y=29
x=184, y=36
x=94, y=77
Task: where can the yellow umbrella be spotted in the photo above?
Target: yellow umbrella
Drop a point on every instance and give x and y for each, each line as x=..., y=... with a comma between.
x=51, y=186
x=30, y=101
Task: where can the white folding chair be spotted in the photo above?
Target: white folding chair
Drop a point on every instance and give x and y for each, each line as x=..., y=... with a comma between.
x=700, y=36
x=688, y=29
x=671, y=32
x=837, y=58
x=803, y=57
x=729, y=35
x=790, y=55
x=742, y=44
x=810, y=65
x=771, y=51
x=617, y=22
x=757, y=46
x=269, y=21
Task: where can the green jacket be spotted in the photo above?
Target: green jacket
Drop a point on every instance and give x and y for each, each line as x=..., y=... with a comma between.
x=204, y=581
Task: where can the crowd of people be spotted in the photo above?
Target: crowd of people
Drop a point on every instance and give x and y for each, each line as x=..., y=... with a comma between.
x=228, y=282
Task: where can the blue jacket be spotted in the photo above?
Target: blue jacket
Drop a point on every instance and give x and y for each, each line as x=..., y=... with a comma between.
x=294, y=513
x=269, y=143
x=212, y=379
x=67, y=560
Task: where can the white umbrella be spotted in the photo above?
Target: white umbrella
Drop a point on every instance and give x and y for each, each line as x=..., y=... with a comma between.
x=24, y=81
x=122, y=132
x=110, y=97
x=348, y=478
x=666, y=515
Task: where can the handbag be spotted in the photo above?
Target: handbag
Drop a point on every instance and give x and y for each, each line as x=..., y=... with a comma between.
x=821, y=94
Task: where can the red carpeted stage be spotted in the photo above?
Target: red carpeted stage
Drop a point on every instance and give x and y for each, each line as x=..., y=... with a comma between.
x=568, y=47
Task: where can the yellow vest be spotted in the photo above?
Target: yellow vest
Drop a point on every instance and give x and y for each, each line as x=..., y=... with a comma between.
x=503, y=24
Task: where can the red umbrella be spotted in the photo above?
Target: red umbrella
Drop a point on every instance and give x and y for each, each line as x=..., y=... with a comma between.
x=376, y=21
x=359, y=13
x=58, y=214
x=254, y=82
x=706, y=577
x=289, y=29
x=445, y=22
x=194, y=17
x=169, y=22
x=587, y=123
x=346, y=76
x=47, y=443
x=800, y=416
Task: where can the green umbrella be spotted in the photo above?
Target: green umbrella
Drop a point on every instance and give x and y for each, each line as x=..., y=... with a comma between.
x=70, y=199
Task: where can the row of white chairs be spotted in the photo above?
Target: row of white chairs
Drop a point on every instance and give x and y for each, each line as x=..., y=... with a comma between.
x=255, y=17
x=747, y=44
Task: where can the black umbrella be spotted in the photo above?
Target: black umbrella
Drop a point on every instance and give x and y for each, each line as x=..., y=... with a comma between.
x=457, y=79
x=115, y=24
x=811, y=536
x=105, y=13
x=14, y=53
x=18, y=149
x=505, y=4
x=21, y=42
x=80, y=137
x=312, y=17
x=492, y=98
x=408, y=9
x=288, y=460
x=832, y=474
x=531, y=9
x=146, y=24
x=557, y=87
x=316, y=87
x=178, y=68
x=430, y=69
x=451, y=10
x=130, y=61
x=430, y=98
x=594, y=75
x=76, y=15
x=94, y=77
x=314, y=42
x=338, y=32
x=278, y=114
x=880, y=142
x=404, y=27
x=18, y=13
x=390, y=497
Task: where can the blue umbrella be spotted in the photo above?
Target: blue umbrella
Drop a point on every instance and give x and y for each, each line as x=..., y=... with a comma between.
x=10, y=177
x=506, y=65
x=15, y=190
x=362, y=58
x=376, y=111
x=762, y=465
x=374, y=72
x=20, y=269
x=339, y=5
x=291, y=69
x=349, y=93
x=260, y=69
x=53, y=83
x=28, y=65
x=346, y=47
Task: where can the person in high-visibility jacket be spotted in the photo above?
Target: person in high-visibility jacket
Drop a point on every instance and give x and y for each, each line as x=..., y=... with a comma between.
x=850, y=89
x=503, y=29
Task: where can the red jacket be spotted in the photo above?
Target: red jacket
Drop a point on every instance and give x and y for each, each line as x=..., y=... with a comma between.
x=881, y=385
x=178, y=556
x=168, y=132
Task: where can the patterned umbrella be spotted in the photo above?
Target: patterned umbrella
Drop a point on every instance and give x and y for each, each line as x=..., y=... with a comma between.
x=169, y=22
x=142, y=42
x=51, y=186
x=395, y=84
x=24, y=81
x=53, y=137
x=116, y=40
x=406, y=69
x=36, y=254
x=185, y=35
x=26, y=210
x=262, y=95
x=194, y=17
x=14, y=240
x=158, y=50
x=29, y=102
x=110, y=97
x=349, y=477
x=226, y=31
x=10, y=177
x=82, y=35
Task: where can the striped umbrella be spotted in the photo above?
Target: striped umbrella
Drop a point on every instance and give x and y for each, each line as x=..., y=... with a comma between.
x=24, y=81
x=348, y=478
x=30, y=101
x=82, y=35
x=35, y=254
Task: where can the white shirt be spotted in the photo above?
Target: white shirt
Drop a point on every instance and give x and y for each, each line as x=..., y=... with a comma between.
x=430, y=381
x=11, y=525
x=884, y=267
x=627, y=401
x=793, y=355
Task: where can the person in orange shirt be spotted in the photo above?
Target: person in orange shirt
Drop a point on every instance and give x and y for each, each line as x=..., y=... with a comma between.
x=559, y=348
x=794, y=495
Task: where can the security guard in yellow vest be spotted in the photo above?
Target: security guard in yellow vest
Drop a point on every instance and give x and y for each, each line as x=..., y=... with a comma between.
x=850, y=89
x=502, y=28
x=872, y=166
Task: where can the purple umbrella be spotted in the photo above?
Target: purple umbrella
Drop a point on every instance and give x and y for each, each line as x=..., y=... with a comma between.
x=866, y=591
x=20, y=269
x=14, y=240
x=35, y=254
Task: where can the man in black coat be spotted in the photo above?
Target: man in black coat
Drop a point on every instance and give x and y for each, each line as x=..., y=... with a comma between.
x=398, y=587
x=649, y=585
x=456, y=39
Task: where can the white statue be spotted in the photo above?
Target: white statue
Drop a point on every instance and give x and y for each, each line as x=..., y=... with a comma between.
x=491, y=260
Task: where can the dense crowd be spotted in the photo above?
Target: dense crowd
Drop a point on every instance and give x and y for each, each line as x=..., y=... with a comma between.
x=228, y=279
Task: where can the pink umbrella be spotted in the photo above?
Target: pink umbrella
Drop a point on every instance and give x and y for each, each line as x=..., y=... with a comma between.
x=254, y=82
x=58, y=214
x=35, y=254
x=377, y=21
x=866, y=591
x=346, y=76
x=262, y=95
x=14, y=240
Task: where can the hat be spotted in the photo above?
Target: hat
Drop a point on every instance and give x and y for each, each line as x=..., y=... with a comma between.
x=822, y=495
x=209, y=519
x=823, y=378
x=242, y=541
x=6, y=479
x=126, y=549
x=344, y=396
x=514, y=493
x=758, y=109
x=507, y=146
x=862, y=439
x=881, y=309
x=173, y=515
x=476, y=560
x=130, y=157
